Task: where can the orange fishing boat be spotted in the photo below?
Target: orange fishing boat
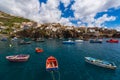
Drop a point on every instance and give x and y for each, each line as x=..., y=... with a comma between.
x=38, y=50
x=51, y=64
x=113, y=41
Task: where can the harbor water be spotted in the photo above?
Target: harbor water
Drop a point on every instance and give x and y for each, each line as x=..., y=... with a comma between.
x=72, y=65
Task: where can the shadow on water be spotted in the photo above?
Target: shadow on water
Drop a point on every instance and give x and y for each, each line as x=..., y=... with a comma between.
x=16, y=63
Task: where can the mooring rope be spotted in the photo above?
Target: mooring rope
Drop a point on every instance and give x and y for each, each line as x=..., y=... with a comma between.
x=53, y=77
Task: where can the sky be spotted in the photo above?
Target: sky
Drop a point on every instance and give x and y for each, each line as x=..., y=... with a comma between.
x=89, y=13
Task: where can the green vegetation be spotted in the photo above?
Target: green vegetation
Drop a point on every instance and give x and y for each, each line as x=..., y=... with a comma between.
x=9, y=20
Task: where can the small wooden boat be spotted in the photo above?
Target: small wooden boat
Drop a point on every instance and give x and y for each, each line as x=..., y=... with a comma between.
x=112, y=41
x=38, y=50
x=96, y=41
x=51, y=64
x=100, y=63
x=68, y=42
x=18, y=58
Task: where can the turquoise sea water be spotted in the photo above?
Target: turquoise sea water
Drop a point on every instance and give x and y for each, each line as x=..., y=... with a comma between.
x=72, y=65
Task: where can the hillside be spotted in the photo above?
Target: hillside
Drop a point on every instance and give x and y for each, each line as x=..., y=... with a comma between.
x=9, y=20
x=10, y=23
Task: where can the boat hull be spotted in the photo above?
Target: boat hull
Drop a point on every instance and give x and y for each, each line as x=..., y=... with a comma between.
x=24, y=43
x=112, y=41
x=51, y=69
x=20, y=60
x=68, y=42
x=17, y=58
x=100, y=65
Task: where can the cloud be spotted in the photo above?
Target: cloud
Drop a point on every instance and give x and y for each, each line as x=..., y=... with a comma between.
x=49, y=12
x=20, y=7
x=86, y=10
x=66, y=2
x=32, y=9
x=117, y=28
x=66, y=21
x=100, y=21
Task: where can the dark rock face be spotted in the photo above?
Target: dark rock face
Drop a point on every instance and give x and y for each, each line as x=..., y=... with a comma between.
x=116, y=35
x=60, y=31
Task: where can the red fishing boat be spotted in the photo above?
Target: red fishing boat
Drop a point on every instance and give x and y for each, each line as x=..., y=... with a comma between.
x=18, y=58
x=51, y=64
x=112, y=41
x=38, y=50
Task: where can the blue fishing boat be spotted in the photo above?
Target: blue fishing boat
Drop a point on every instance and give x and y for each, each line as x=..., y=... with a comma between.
x=96, y=41
x=4, y=39
x=100, y=63
x=68, y=42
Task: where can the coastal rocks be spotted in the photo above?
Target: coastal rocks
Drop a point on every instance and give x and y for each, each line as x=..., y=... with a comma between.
x=116, y=35
x=55, y=30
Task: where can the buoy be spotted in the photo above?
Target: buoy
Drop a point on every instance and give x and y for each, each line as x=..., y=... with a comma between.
x=10, y=45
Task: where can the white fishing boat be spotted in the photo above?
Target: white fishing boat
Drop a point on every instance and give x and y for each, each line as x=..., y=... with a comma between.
x=96, y=41
x=68, y=42
x=78, y=40
x=100, y=63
